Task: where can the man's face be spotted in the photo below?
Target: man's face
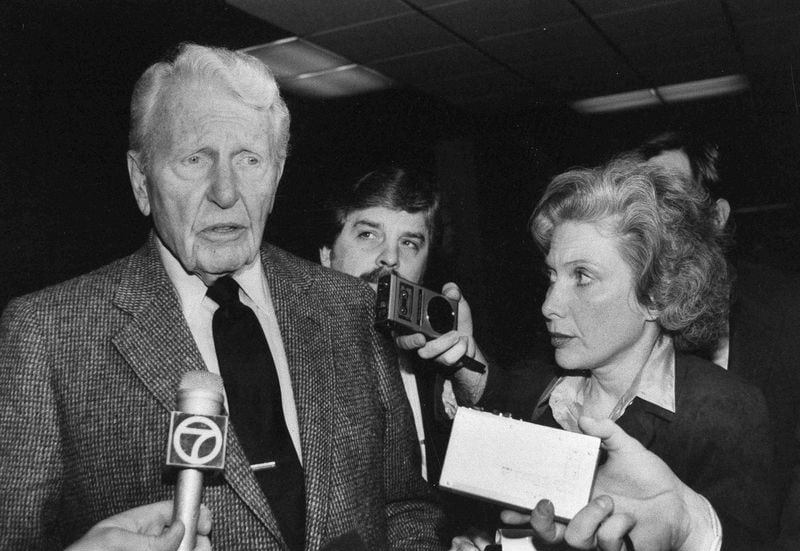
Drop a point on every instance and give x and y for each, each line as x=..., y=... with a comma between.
x=211, y=183
x=376, y=241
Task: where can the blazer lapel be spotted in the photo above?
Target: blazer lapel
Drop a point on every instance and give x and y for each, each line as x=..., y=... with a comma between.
x=159, y=347
x=308, y=343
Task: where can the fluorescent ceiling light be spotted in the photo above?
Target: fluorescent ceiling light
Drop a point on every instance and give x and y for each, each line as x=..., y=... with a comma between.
x=617, y=102
x=307, y=70
x=342, y=81
x=671, y=93
x=704, y=88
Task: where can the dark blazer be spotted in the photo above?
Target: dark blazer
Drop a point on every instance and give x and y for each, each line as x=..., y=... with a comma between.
x=718, y=440
x=88, y=374
x=765, y=350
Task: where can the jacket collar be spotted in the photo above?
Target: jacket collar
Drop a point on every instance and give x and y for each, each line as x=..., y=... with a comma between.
x=159, y=347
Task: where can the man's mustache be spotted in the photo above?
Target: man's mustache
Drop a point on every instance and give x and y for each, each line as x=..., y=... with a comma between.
x=375, y=275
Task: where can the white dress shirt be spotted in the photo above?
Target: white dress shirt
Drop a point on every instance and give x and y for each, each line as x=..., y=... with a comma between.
x=199, y=310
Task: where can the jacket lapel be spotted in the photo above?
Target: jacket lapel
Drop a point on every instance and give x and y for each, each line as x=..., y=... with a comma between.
x=159, y=347
x=307, y=340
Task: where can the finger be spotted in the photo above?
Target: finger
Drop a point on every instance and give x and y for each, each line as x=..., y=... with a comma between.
x=451, y=290
x=204, y=521
x=203, y=544
x=462, y=543
x=480, y=542
x=169, y=540
x=543, y=522
x=514, y=517
x=613, y=530
x=438, y=346
x=411, y=342
x=458, y=348
x=582, y=529
x=614, y=438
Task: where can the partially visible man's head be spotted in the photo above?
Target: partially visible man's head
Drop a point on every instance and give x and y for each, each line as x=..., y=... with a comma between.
x=208, y=140
x=385, y=223
x=697, y=159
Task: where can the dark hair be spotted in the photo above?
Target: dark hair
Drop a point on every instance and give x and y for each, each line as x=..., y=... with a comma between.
x=391, y=187
x=666, y=234
x=703, y=156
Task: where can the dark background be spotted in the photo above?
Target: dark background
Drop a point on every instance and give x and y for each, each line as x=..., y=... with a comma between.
x=68, y=70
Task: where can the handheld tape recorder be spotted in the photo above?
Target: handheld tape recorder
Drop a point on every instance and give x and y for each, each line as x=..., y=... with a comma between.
x=406, y=307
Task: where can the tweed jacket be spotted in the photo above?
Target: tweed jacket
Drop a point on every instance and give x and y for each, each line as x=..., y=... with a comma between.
x=717, y=441
x=88, y=374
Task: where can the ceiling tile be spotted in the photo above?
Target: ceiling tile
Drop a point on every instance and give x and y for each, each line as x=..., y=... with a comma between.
x=714, y=40
x=661, y=23
x=751, y=10
x=771, y=44
x=695, y=68
x=562, y=40
x=435, y=66
x=590, y=75
x=304, y=17
x=600, y=7
x=476, y=84
x=402, y=35
x=477, y=19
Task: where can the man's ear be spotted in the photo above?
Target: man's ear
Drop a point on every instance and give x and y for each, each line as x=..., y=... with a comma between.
x=325, y=256
x=138, y=183
x=723, y=211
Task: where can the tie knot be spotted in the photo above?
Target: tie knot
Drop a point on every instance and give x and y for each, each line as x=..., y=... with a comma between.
x=224, y=291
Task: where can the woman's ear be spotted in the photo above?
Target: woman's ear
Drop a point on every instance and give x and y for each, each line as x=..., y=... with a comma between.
x=651, y=312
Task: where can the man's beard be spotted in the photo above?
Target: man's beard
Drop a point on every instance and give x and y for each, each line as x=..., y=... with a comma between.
x=375, y=275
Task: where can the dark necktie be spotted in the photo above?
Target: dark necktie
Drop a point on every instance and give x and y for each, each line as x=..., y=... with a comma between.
x=254, y=400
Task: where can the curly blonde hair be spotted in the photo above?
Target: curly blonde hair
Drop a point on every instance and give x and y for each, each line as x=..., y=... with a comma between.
x=667, y=235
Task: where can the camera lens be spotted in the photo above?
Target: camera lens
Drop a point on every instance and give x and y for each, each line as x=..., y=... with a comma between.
x=441, y=315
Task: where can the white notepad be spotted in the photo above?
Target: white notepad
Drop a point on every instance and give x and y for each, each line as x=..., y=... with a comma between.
x=516, y=463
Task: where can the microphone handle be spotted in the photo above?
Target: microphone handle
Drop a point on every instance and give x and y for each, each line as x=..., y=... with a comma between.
x=189, y=487
x=188, y=495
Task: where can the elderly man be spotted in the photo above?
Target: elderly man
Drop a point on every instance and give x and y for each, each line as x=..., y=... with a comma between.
x=322, y=446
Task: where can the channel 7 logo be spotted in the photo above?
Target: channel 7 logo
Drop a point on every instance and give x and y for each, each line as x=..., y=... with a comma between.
x=197, y=441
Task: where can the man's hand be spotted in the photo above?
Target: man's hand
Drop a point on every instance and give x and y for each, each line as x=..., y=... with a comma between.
x=635, y=494
x=144, y=528
x=469, y=543
x=447, y=349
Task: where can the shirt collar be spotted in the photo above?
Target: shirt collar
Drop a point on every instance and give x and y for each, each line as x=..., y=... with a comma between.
x=655, y=384
x=191, y=289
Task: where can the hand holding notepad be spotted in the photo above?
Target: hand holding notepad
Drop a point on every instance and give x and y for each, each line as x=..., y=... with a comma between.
x=517, y=464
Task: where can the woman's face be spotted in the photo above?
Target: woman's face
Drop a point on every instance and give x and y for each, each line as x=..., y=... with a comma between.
x=593, y=316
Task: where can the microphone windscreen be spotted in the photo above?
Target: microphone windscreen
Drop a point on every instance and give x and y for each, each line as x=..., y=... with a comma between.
x=201, y=380
x=200, y=392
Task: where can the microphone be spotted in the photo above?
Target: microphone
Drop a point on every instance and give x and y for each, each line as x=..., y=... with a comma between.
x=197, y=438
